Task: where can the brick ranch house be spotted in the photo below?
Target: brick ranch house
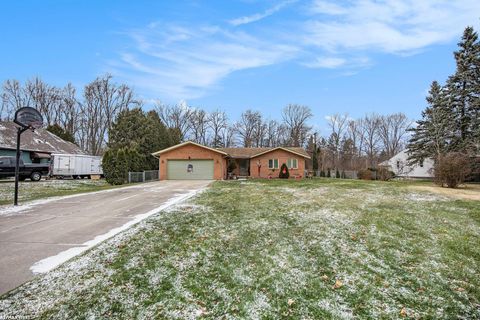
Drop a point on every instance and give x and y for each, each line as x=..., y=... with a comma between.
x=193, y=161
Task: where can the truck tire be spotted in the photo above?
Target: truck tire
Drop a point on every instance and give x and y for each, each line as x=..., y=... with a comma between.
x=36, y=176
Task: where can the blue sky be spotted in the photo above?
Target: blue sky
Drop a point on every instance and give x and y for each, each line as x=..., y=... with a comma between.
x=334, y=56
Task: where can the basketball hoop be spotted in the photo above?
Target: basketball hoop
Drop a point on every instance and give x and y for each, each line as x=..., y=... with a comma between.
x=26, y=118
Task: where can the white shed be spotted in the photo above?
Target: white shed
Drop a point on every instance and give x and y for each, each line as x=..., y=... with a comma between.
x=399, y=164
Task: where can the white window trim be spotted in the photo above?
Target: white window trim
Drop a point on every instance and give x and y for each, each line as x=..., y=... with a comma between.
x=273, y=162
x=291, y=162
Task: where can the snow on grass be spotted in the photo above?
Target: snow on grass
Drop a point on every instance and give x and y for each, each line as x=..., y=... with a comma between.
x=46, y=188
x=49, y=193
x=276, y=249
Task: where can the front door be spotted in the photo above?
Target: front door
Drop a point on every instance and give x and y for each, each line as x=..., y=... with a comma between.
x=243, y=167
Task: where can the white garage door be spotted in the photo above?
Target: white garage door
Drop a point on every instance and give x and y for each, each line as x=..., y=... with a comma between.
x=190, y=169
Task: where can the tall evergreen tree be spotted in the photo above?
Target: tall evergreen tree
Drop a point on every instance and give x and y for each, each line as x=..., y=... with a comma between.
x=464, y=91
x=143, y=131
x=451, y=122
x=57, y=130
x=134, y=136
x=432, y=135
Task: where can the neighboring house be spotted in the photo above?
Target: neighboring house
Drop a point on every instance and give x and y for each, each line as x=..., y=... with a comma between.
x=399, y=165
x=35, y=146
x=191, y=161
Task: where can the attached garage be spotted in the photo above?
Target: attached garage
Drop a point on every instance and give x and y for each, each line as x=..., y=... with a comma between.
x=191, y=161
x=190, y=169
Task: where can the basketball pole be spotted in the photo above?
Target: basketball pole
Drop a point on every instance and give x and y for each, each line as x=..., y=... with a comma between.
x=17, y=164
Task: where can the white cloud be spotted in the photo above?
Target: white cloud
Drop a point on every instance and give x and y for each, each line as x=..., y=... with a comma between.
x=326, y=62
x=259, y=16
x=326, y=7
x=176, y=61
x=349, y=64
x=389, y=26
x=180, y=63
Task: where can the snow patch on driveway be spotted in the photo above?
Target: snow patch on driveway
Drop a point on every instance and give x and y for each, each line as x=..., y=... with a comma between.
x=52, y=262
x=10, y=209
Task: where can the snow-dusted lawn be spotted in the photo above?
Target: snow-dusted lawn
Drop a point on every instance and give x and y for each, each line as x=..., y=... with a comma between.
x=317, y=249
x=29, y=190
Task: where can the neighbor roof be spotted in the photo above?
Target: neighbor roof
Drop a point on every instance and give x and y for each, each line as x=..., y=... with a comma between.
x=255, y=152
x=39, y=140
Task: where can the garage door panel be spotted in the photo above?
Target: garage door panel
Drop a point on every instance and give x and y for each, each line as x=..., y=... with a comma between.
x=190, y=169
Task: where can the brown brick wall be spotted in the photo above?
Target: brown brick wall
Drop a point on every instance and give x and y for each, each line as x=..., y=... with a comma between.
x=282, y=157
x=191, y=151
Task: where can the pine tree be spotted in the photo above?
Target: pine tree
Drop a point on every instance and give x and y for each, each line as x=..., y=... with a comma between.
x=57, y=130
x=117, y=163
x=433, y=134
x=464, y=91
x=143, y=131
x=134, y=136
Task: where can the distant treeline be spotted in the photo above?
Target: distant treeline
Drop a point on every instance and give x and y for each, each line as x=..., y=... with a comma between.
x=88, y=118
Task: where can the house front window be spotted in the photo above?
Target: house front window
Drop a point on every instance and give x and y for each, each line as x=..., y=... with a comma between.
x=292, y=164
x=273, y=164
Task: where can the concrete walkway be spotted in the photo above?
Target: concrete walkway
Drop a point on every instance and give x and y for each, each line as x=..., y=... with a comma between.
x=44, y=230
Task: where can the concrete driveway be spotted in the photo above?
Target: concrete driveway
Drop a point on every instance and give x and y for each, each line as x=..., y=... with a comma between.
x=49, y=229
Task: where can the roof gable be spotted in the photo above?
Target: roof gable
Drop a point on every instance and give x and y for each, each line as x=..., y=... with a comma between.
x=248, y=153
x=298, y=151
x=185, y=144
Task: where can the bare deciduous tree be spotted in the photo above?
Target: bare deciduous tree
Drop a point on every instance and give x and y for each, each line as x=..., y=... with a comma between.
x=355, y=134
x=103, y=101
x=176, y=117
x=46, y=99
x=392, y=130
x=229, y=137
x=275, y=134
x=338, y=124
x=70, y=110
x=13, y=97
x=218, y=122
x=295, y=118
x=198, y=120
x=370, y=126
x=246, y=127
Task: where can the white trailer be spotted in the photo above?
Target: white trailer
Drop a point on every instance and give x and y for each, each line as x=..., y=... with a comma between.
x=75, y=165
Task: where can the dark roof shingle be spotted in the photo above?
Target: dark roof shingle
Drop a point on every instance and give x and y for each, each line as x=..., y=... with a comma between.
x=39, y=140
x=252, y=152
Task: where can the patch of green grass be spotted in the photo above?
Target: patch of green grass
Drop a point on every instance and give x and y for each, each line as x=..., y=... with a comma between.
x=274, y=249
x=29, y=190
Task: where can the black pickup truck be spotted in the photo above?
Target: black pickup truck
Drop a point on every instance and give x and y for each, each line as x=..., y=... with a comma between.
x=32, y=171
